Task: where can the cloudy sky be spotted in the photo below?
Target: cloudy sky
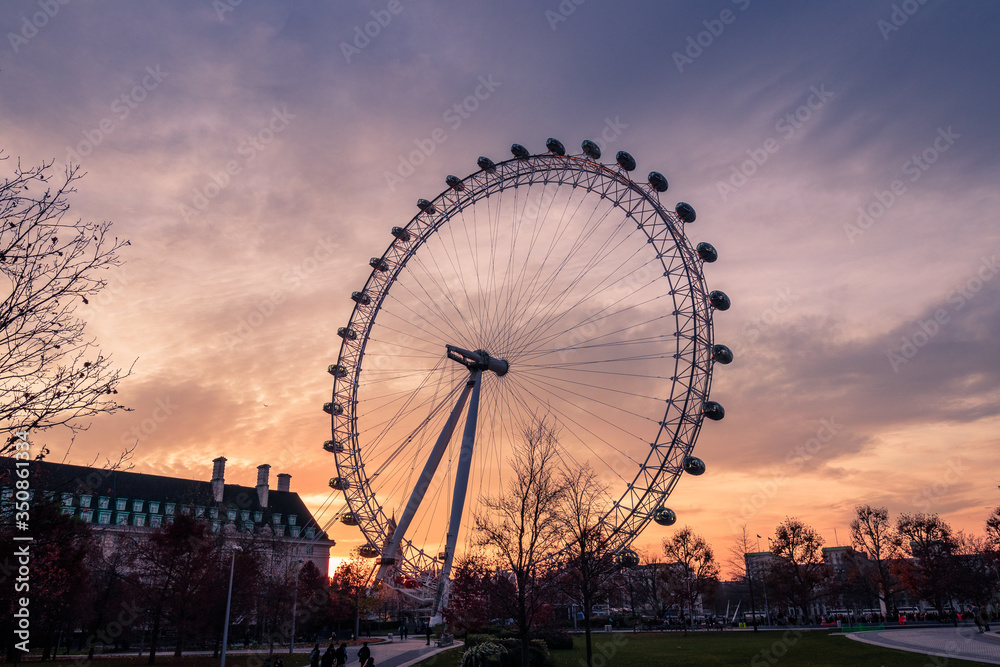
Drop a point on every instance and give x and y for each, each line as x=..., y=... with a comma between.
x=841, y=157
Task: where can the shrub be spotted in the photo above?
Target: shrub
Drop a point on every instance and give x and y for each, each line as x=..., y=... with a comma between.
x=558, y=641
x=484, y=655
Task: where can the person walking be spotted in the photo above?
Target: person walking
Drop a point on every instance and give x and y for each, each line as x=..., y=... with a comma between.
x=984, y=617
x=364, y=653
x=341, y=655
x=328, y=656
x=975, y=619
x=314, y=656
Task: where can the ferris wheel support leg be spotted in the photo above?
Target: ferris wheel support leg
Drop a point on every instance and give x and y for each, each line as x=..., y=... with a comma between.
x=461, y=485
x=424, y=481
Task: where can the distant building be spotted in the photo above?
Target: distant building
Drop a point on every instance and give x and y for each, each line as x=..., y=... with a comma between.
x=115, y=502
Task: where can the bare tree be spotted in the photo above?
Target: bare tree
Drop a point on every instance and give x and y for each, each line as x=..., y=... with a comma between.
x=691, y=570
x=799, y=571
x=521, y=525
x=50, y=373
x=589, y=563
x=750, y=573
x=872, y=533
x=931, y=545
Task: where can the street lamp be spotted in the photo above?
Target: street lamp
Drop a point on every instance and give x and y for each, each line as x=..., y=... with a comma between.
x=229, y=599
x=295, y=603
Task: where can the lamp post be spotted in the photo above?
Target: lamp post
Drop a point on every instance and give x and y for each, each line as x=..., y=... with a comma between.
x=295, y=603
x=229, y=599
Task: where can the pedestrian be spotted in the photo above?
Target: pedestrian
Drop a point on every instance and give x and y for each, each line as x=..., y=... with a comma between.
x=406, y=631
x=364, y=653
x=341, y=655
x=428, y=631
x=328, y=657
x=975, y=618
x=984, y=617
x=314, y=656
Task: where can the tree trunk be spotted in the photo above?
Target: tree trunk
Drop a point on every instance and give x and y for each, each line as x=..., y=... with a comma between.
x=587, y=603
x=154, y=638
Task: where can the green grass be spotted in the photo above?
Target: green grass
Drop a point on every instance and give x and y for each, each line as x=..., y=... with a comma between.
x=764, y=649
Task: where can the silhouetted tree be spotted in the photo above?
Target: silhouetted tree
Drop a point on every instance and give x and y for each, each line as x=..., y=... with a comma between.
x=873, y=534
x=797, y=572
x=691, y=570
x=50, y=374
x=931, y=545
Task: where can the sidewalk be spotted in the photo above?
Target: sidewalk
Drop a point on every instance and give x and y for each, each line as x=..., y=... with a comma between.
x=964, y=643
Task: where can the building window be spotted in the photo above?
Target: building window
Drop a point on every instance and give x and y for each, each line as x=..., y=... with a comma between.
x=154, y=506
x=121, y=504
x=295, y=531
x=291, y=519
x=276, y=518
x=244, y=515
x=67, y=499
x=186, y=510
x=139, y=520
x=155, y=521
x=215, y=526
x=309, y=550
x=248, y=527
x=310, y=532
x=85, y=501
x=257, y=516
x=168, y=509
x=214, y=512
x=68, y=511
x=199, y=512
x=137, y=505
x=86, y=516
x=7, y=494
x=103, y=502
x=104, y=518
x=231, y=515
x=121, y=519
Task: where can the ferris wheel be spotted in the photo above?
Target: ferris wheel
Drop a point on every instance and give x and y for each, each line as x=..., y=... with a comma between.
x=546, y=284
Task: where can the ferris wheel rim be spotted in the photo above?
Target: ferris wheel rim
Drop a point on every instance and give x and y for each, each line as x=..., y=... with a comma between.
x=646, y=492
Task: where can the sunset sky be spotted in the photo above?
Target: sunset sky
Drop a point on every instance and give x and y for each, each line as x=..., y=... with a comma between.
x=841, y=157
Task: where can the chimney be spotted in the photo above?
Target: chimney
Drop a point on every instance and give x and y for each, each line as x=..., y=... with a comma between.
x=262, y=472
x=284, y=481
x=218, y=478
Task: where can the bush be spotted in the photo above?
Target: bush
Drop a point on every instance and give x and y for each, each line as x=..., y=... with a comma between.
x=538, y=653
x=486, y=654
x=558, y=641
x=477, y=639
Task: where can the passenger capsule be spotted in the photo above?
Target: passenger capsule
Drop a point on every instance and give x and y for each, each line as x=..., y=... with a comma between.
x=625, y=161
x=442, y=555
x=658, y=181
x=388, y=562
x=336, y=370
x=339, y=484
x=454, y=182
x=486, y=165
x=401, y=234
x=664, y=516
x=426, y=206
x=349, y=519
x=693, y=466
x=713, y=410
x=333, y=408
x=722, y=354
x=519, y=151
x=333, y=447
x=719, y=300
x=591, y=150
x=628, y=559
x=707, y=252
x=361, y=297
x=555, y=147
x=347, y=333
x=685, y=212
x=378, y=264
x=368, y=551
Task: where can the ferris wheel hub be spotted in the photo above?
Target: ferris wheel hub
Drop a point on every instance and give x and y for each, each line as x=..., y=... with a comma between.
x=479, y=360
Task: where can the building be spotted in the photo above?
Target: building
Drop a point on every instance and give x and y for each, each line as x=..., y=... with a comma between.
x=115, y=502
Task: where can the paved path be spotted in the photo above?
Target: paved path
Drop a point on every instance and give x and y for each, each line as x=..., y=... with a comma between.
x=964, y=643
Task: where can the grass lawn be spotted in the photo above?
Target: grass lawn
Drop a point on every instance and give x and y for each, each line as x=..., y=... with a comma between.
x=812, y=648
